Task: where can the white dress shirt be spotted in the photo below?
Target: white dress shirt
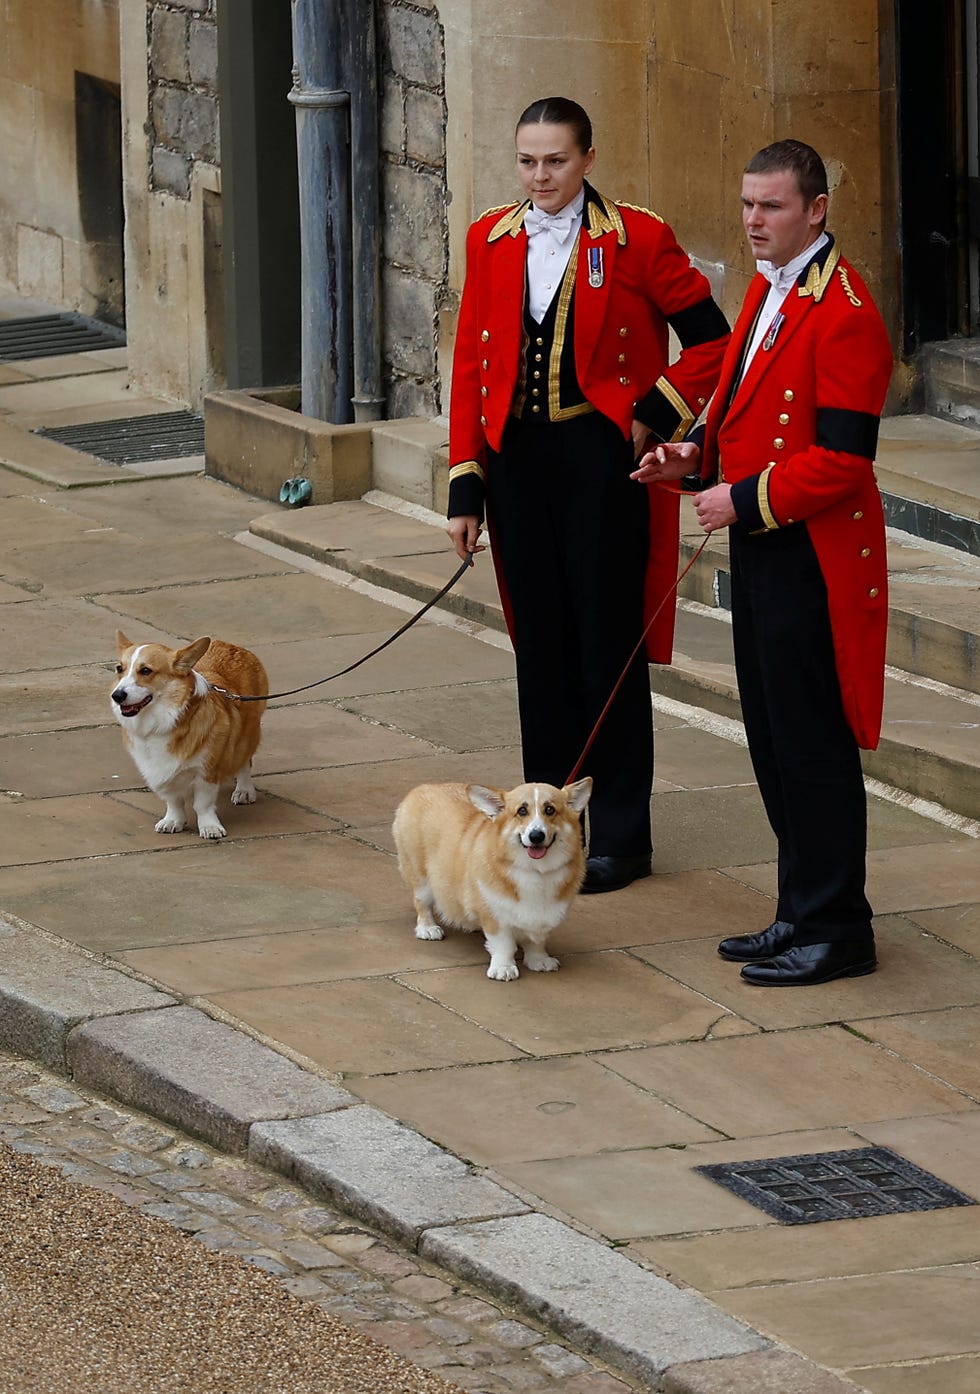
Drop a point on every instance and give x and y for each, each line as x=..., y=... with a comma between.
x=781, y=280
x=550, y=239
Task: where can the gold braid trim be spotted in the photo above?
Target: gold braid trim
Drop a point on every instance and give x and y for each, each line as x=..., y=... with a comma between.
x=817, y=281
x=687, y=417
x=768, y=517
x=511, y=222
x=467, y=467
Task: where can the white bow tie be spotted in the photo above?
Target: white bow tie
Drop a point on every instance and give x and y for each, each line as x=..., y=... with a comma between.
x=558, y=224
x=778, y=276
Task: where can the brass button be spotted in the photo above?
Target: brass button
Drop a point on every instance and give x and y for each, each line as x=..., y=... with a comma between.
x=535, y=408
x=539, y=342
x=483, y=420
x=784, y=418
x=537, y=358
x=779, y=443
x=485, y=364
x=624, y=332
x=485, y=335
x=701, y=401
x=857, y=516
x=790, y=520
x=625, y=381
x=865, y=551
x=536, y=373
x=788, y=395
x=483, y=391
x=873, y=592
x=622, y=358
x=535, y=391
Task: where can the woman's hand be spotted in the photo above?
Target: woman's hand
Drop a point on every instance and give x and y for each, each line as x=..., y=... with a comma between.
x=465, y=533
x=668, y=461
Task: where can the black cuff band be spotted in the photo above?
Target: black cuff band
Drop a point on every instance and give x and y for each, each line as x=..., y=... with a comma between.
x=852, y=432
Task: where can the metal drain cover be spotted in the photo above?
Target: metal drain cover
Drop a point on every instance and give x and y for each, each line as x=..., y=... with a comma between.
x=132, y=440
x=835, y=1185
x=43, y=336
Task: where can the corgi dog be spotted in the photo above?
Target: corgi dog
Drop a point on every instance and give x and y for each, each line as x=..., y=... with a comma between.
x=507, y=863
x=187, y=740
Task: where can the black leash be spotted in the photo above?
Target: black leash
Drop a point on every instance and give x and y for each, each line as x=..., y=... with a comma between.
x=271, y=697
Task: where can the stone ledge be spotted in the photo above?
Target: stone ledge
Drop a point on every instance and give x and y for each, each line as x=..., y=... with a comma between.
x=196, y=1073
x=46, y=990
x=380, y=1171
x=258, y=439
x=595, y=1297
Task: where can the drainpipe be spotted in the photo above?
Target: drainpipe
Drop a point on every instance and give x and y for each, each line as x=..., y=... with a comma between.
x=335, y=93
x=322, y=114
x=368, y=399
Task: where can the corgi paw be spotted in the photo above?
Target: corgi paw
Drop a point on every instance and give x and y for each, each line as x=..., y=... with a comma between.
x=540, y=963
x=168, y=824
x=244, y=796
x=428, y=931
x=212, y=830
x=503, y=972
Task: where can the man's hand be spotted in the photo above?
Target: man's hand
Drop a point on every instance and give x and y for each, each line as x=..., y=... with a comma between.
x=465, y=533
x=668, y=461
x=714, y=508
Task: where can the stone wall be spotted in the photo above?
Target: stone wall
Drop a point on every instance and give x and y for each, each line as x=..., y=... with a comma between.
x=50, y=246
x=182, y=41
x=414, y=197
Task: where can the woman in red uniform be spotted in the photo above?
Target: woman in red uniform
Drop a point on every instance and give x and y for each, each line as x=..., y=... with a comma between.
x=561, y=378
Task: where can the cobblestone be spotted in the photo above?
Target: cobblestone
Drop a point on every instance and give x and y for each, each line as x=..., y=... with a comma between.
x=320, y=1255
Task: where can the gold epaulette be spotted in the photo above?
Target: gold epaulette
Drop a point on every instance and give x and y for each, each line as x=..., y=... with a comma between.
x=487, y=212
x=511, y=219
x=635, y=208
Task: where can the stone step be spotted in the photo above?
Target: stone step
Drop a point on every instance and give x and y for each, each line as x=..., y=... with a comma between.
x=951, y=379
x=929, y=746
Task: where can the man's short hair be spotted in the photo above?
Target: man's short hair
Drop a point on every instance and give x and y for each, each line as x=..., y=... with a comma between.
x=797, y=158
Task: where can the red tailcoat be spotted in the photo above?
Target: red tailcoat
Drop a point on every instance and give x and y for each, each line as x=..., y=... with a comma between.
x=797, y=443
x=621, y=333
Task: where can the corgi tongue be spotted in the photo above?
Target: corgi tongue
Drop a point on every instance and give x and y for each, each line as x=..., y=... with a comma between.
x=537, y=852
x=134, y=707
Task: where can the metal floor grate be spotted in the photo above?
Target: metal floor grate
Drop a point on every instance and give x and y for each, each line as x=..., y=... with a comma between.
x=132, y=440
x=835, y=1185
x=43, y=336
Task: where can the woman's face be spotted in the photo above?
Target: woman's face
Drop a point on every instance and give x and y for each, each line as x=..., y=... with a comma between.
x=550, y=165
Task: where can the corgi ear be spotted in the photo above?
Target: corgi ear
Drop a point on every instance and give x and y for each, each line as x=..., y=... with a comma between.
x=578, y=795
x=488, y=801
x=184, y=659
x=122, y=642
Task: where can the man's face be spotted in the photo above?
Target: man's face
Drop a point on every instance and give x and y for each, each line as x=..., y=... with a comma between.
x=778, y=224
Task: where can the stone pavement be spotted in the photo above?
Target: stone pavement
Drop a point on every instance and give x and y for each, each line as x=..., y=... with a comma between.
x=552, y=1126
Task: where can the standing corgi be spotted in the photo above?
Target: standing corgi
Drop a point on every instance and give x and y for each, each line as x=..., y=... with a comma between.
x=187, y=740
x=509, y=864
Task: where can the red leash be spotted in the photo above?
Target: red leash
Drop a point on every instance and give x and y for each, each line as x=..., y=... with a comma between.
x=622, y=677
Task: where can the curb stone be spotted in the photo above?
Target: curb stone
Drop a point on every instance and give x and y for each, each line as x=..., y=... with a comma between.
x=46, y=990
x=197, y=1073
x=380, y=1170
x=118, y=1036
x=594, y=1296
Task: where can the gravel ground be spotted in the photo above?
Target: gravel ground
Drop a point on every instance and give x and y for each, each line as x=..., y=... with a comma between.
x=135, y=1259
x=98, y=1297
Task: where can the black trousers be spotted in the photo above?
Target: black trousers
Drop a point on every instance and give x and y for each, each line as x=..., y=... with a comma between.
x=804, y=754
x=570, y=533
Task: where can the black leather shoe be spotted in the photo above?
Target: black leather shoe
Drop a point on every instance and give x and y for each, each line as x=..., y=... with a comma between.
x=805, y=965
x=754, y=948
x=612, y=873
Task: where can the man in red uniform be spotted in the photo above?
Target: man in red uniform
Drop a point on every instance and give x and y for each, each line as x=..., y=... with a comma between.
x=786, y=463
x=561, y=373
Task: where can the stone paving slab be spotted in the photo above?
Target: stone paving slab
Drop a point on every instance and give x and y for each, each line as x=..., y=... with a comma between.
x=762, y=1372
x=196, y=1073
x=45, y=991
x=379, y=1170
x=591, y=1294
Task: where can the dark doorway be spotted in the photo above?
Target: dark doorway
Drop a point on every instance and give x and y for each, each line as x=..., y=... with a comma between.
x=98, y=159
x=936, y=105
